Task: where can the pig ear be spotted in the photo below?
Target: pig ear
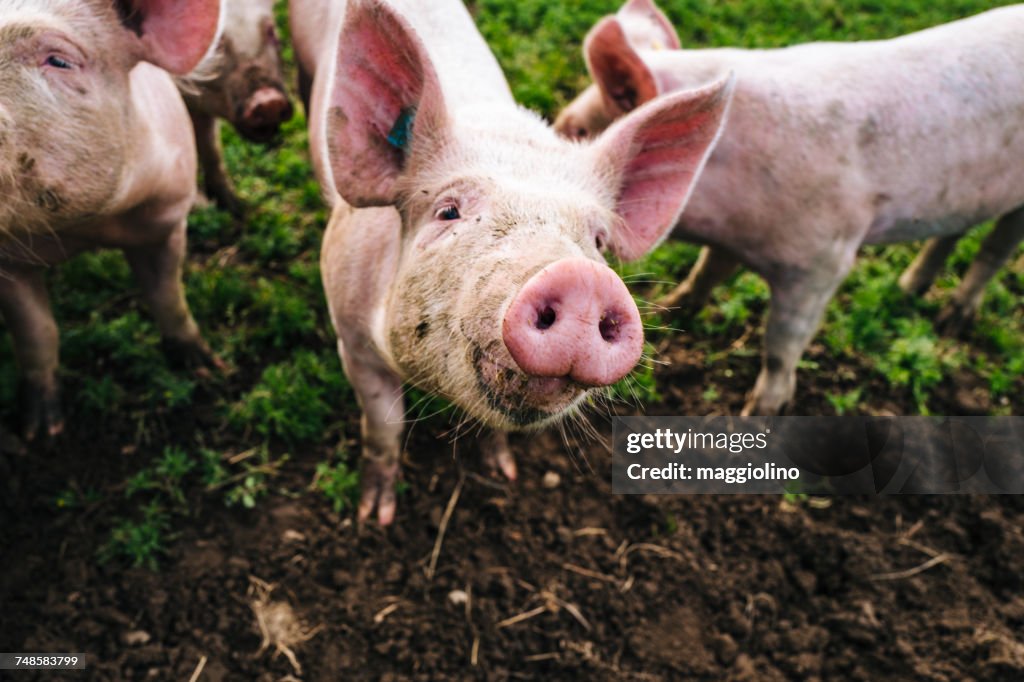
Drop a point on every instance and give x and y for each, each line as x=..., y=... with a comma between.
x=653, y=158
x=174, y=34
x=385, y=102
x=623, y=78
x=648, y=27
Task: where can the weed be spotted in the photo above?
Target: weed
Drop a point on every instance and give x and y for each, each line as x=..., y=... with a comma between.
x=338, y=483
x=139, y=541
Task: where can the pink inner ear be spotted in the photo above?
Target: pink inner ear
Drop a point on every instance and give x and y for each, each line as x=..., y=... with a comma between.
x=667, y=143
x=177, y=33
x=382, y=76
x=620, y=73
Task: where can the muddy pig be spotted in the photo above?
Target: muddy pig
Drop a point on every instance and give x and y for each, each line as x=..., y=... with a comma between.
x=243, y=84
x=95, y=151
x=464, y=249
x=830, y=146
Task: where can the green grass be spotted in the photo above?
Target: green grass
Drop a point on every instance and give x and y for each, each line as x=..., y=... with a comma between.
x=255, y=290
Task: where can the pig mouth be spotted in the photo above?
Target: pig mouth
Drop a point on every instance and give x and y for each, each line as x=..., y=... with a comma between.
x=524, y=400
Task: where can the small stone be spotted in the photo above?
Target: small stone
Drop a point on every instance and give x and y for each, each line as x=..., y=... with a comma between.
x=458, y=597
x=551, y=480
x=293, y=536
x=135, y=638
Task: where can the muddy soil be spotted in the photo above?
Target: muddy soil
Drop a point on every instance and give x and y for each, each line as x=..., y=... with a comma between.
x=552, y=577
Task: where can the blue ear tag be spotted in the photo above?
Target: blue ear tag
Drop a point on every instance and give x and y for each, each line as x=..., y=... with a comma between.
x=402, y=130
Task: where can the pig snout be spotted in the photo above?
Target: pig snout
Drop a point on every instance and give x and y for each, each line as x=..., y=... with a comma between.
x=263, y=113
x=574, y=319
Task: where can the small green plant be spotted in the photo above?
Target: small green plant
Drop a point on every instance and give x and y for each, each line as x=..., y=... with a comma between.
x=252, y=487
x=711, y=394
x=844, y=403
x=293, y=399
x=139, y=541
x=338, y=483
x=794, y=493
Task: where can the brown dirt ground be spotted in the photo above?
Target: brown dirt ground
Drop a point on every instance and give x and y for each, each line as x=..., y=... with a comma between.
x=543, y=579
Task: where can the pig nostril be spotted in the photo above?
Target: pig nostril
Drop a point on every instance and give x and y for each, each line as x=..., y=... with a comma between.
x=546, y=318
x=610, y=327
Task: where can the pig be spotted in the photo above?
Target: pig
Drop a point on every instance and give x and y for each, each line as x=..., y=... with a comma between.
x=246, y=88
x=464, y=249
x=830, y=146
x=95, y=151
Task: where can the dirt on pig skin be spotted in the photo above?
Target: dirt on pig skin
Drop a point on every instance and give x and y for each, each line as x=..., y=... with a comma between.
x=549, y=578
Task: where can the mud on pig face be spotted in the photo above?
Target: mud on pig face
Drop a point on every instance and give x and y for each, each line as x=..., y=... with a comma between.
x=502, y=301
x=65, y=99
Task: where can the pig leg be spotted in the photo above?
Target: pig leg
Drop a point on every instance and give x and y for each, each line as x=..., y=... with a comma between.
x=379, y=393
x=797, y=306
x=216, y=183
x=997, y=248
x=25, y=304
x=157, y=269
x=916, y=279
x=496, y=454
x=712, y=267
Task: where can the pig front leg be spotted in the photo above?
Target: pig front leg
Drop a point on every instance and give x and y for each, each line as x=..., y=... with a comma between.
x=25, y=305
x=216, y=183
x=997, y=248
x=158, y=270
x=797, y=306
x=379, y=392
x=712, y=267
x=916, y=279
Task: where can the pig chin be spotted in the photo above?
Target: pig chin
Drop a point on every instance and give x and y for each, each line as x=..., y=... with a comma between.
x=521, y=401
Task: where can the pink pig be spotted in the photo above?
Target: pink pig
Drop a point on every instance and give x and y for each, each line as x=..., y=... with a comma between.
x=830, y=146
x=464, y=249
x=95, y=151
x=244, y=85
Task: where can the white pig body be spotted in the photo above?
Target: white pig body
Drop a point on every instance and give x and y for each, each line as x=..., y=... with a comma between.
x=472, y=266
x=95, y=151
x=910, y=138
x=831, y=146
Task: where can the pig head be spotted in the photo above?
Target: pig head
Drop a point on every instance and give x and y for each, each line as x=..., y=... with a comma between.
x=244, y=82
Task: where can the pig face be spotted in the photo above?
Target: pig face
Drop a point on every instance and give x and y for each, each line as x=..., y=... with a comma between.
x=502, y=301
x=247, y=87
x=622, y=81
x=64, y=97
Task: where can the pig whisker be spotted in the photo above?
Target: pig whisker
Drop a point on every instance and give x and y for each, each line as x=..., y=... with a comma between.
x=629, y=279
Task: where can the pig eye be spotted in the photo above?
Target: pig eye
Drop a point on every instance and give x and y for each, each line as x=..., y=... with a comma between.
x=272, y=34
x=57, y=62
x=450, y=212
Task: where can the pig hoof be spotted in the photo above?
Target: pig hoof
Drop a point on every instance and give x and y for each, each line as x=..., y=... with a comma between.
x=227, y=200
x=378, y=491
x=953, y=320
x=195, y=356
x=41, y=419
x=759, y=407
x=499, y=461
